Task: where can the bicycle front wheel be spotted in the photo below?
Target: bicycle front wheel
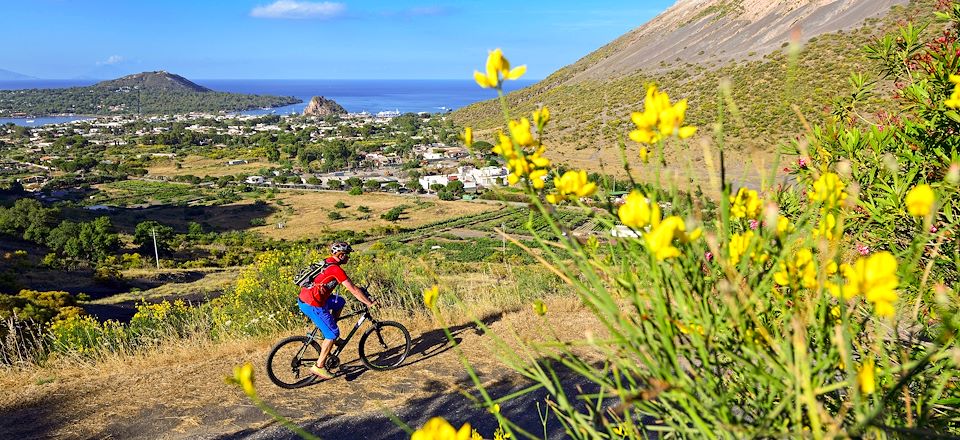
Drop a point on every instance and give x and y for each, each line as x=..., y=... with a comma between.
x=384, y=346
x=289, y=362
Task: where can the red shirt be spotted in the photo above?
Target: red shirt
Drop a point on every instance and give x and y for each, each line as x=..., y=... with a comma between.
x=323, y=284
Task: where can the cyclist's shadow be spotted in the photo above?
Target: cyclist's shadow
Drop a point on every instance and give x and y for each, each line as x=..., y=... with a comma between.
x=425, y=346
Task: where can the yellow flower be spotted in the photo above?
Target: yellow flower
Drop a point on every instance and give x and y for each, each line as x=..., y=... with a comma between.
x=520, y=131
x=660, y=239
x=495, y=408
x=501, y=434
x=920, y=200
x=540, y=309
x=644, y=155
x=468, y=137
x=866, y=377
x=828, y=227
x=540, y=118
x=800, y=271
x=828, y=189
x=739, y=243
x=660, y=119
x=572, y=183
x=745, y=204
x=874, y=277
x=954, y=101
x=784, y=226
x=638, y=212
x=243, y=376
x=439, y=429
x=497, y=70
x=430, y=296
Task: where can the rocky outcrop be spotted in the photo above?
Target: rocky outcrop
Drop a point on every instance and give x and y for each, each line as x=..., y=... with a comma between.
x=320, y=106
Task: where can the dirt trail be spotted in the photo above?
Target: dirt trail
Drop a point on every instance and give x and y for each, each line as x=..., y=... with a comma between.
x=181, y=393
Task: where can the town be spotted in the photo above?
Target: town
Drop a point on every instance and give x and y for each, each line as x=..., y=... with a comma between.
x=391, y=152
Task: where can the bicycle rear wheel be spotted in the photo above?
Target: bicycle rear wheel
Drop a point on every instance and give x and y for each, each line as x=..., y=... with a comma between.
x=385, y=345
x=289, y=362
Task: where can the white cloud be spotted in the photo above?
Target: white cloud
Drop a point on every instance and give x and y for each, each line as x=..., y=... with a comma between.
x=113, y=59
x=292, y=9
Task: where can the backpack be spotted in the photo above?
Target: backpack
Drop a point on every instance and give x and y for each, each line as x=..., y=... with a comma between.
x=305, y=277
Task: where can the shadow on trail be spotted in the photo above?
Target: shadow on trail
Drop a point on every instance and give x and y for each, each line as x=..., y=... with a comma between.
x=528, y=410
x=423, y=347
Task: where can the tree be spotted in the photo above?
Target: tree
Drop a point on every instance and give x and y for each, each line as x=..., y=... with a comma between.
x=340, y=204
x=335, y=215
x=143, y=236
x=354, y=182
x=393, y=186
x=372, y=185
x=356, y=191
x=335, y=184
x=446, y=195
x=393, y=214
x=455, y=187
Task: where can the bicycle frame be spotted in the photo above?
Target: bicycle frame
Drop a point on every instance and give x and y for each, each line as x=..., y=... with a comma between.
x=339, y=344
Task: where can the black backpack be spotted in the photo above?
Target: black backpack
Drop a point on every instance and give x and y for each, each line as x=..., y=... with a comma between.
x=305, y=277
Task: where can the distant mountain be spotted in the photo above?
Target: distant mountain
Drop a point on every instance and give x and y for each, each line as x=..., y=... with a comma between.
x=6, y=75
x=159, y=80
x=692, y=48
x=157, y=92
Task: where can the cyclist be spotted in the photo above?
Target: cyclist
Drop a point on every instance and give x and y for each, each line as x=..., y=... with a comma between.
x=323, y=308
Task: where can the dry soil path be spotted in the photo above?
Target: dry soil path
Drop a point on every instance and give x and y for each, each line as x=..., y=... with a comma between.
x=180, y=392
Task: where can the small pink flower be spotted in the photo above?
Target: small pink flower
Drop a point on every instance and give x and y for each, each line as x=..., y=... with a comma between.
x=708, y=255
x=754, y=224
x=863, y=249
x=802, y=162
x=933, y=229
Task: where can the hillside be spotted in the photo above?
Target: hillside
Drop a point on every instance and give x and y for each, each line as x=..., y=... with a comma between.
x=148, y=93
x=6, y=75
x=689, y=50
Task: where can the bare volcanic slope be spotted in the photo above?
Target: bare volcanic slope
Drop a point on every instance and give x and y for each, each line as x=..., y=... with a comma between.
x=689, y=50
x=699, y=31
x=157, y=92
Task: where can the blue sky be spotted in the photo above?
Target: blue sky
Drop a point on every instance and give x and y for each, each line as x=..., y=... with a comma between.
x=270, y=39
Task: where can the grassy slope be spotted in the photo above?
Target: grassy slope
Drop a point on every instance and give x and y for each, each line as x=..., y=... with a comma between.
x=759, y=87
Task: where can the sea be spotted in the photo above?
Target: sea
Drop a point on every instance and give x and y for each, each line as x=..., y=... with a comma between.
x=373, y=95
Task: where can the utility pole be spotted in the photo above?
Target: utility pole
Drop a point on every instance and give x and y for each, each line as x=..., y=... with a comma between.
x=156, y=253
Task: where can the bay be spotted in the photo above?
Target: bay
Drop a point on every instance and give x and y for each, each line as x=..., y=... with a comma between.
x=365, y=95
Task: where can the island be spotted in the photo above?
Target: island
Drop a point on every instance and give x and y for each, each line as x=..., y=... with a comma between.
x=146, y=93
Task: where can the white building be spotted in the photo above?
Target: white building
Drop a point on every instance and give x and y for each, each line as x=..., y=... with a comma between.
x=255, y=180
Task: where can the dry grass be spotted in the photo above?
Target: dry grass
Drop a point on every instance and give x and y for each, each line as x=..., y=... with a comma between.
x=212, y=281
x=310, y=212
x=178, y=391
x=201, y=166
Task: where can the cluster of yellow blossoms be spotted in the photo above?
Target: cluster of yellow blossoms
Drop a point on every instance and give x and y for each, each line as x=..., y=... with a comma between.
x=745, y=204
x=954, y=101
x=828, y=190
x=659, y=120
x=874, y=277
x=532, y=166
x=740, y=244
x=571, y=184
x=637, y=212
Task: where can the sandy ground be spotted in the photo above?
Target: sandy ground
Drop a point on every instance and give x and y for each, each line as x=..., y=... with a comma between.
x=179, y=391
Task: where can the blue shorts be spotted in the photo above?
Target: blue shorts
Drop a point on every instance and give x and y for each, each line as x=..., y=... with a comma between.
x=321, y=316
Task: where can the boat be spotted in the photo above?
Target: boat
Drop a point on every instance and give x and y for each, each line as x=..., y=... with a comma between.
x=30, y=121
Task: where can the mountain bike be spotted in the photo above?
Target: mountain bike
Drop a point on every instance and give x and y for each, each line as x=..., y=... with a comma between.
x=383, y=346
